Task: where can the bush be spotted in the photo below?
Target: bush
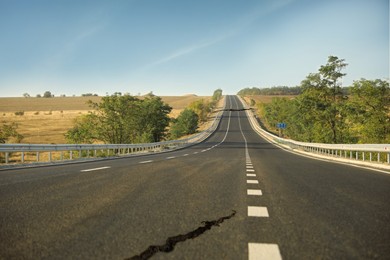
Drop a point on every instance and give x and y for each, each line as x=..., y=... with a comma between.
x=186, y=123
x=19, y=113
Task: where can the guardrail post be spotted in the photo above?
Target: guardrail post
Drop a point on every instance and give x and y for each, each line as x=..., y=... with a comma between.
x=37, y=156
x=49, y=156
x=388, y=158
x=7, y=157
x=22, y=155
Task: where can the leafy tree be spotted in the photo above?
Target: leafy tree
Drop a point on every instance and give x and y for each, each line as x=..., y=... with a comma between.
x=217, y=95
x=8, y=131
x=153, y=118
x=370, y=110
x=323, y=103
x=186, y=123
x=202, y=108
x=123, y=119
x=84, y=130
x=47, y=94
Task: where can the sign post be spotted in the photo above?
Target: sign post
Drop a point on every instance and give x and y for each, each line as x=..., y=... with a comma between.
x=281, y=126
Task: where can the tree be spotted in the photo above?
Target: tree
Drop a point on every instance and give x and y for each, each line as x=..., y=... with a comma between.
x=153, y=118
x=84, y=130
x=186, y=123
x=9, y=131
x=202, y=108
x=370, y=110
x=121, y=119
x=47, y=94
x=323, y=102
x=217, y=95
x=26, y=95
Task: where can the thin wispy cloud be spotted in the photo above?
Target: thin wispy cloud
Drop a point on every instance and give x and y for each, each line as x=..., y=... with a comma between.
x=186, y=50
x=235, y=29
x=70, y=47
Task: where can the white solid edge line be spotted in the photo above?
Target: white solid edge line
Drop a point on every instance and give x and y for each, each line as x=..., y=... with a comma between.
x=254, y=192
x=257, y=251
x=96, y=169
x=258, y=212
x=327, y=159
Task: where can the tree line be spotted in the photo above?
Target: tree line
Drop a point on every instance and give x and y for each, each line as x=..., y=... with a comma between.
x=278, y=90
x=323, y=112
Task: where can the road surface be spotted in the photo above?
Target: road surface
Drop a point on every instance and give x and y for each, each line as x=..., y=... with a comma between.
x=234, y=196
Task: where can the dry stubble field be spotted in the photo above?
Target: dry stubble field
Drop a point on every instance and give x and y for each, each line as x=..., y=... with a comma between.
x=46, y=120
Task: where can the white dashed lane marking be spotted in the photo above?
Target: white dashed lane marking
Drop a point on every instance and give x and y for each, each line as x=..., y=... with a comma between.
x=96, y=169
x=257, y=211
x=257, y=251
x=146, y=161
x=171, y=157
x=254, y=192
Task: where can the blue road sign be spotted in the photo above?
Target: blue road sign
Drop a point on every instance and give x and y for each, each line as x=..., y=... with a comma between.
x=281, y=125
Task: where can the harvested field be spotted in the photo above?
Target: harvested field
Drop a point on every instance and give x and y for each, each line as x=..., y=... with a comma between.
x=46, y=120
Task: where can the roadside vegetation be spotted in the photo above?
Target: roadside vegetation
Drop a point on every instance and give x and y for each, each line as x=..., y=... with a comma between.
x=326, y=113
x=125, y=119
x=122, y=119
x=197, y=112
x=8, y=132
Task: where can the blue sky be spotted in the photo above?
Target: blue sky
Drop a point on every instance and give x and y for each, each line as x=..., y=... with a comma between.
x=177, y=47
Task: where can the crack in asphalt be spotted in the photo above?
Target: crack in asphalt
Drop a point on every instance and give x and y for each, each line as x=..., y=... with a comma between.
x=171, y=242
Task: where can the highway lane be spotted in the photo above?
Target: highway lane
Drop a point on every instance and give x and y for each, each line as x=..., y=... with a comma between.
x=119, y=208
x=320, y=209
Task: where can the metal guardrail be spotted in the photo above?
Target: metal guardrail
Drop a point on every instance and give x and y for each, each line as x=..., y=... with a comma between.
x=374, y=153
x=67, y=152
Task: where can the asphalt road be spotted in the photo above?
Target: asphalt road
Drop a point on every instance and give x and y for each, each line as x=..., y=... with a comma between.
x=235, y=196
